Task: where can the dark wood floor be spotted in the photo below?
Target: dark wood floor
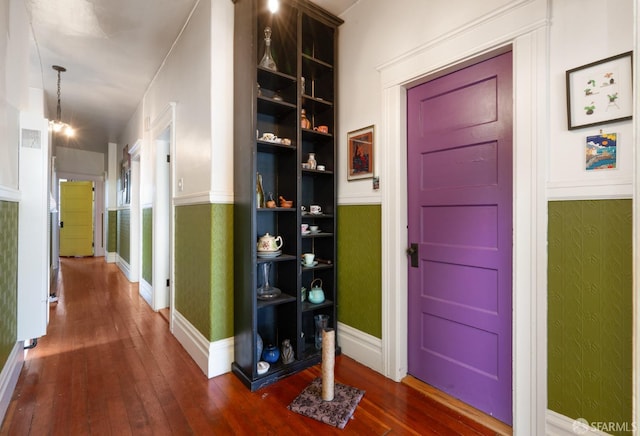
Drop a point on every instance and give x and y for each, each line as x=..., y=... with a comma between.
x=109, y=365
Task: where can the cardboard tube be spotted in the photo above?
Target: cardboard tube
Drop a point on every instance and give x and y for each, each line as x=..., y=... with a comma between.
x=328, y=363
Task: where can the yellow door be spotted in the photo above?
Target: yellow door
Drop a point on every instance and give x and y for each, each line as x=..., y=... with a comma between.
x=76, y=219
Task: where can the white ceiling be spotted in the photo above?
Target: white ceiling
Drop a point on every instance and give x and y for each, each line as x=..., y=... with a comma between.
x=111, y=50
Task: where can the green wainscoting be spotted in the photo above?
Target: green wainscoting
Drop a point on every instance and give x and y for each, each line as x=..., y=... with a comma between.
x=112, y=229
x=204, y=268
x=8, y=279
x=147, y=244
x=360, y=268
x=124, y=230
x=590, y=310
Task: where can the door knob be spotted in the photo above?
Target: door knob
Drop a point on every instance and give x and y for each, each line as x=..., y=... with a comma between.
x=412, y=251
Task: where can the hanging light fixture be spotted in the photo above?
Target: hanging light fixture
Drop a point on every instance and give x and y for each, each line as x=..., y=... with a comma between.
x=57, y=125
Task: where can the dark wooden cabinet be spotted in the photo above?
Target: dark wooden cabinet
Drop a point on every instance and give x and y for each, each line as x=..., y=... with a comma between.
x=304, y=48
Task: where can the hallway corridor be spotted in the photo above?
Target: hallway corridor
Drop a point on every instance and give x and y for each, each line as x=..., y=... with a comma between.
x=109, y=365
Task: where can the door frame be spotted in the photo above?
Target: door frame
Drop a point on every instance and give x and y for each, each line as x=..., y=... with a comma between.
x=530, y=129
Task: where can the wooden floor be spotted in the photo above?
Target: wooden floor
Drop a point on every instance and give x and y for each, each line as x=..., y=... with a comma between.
x=109, y=365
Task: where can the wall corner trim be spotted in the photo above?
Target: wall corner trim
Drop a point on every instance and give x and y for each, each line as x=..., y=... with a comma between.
x=213, y=358
x=9, y=377
x=361, y=347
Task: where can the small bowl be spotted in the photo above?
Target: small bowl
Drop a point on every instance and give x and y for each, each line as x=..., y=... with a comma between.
x=286, y=203
x=263, y=367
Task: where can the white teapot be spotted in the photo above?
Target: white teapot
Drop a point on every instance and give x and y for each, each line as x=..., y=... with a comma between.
x=269, y=243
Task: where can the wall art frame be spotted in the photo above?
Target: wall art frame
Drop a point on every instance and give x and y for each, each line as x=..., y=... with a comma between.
x=361, y=152
x=600, y=92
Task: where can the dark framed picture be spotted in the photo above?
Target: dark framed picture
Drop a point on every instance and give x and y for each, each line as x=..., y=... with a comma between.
x=600, y=92
x=360, y=146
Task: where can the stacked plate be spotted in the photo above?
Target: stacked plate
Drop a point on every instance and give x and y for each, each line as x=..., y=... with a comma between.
x=269, y=254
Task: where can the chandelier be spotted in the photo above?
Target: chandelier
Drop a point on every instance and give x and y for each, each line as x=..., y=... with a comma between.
x=57, y=125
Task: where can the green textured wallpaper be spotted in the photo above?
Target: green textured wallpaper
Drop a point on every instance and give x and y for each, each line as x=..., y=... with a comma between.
x=112, y=229
x=147, y=244
x=8, y=279
x=359, y=268
x=590, y=310
x=204, y=268
x=124, y=224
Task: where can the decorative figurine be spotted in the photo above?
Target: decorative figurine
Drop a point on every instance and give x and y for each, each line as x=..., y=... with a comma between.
x=287, y=352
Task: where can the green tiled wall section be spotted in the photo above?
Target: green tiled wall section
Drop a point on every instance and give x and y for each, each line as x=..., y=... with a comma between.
x=124, y=223
x=8, y=279
x=204, y=268
x=590, y=310
x=359, y=268
x=147, y=244
x=112, y=229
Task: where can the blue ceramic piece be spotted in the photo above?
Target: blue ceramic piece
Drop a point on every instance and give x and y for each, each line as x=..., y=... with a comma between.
x=271, y=354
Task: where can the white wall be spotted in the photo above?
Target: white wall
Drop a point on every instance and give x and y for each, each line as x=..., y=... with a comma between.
x=80, y=162
x=376, y=32
x=14, y=52
x=584, y=31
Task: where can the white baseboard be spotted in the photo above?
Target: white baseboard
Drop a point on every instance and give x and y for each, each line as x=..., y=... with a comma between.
x=361, y=347
x=213, y=358
x=125, y=268
x=560, y=425
x=146, y=291
x=111, y=257
x=9, y=376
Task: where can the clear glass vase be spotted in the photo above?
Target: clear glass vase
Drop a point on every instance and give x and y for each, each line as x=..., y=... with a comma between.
x=267, y=60
x=266, y=291
x=322, y=322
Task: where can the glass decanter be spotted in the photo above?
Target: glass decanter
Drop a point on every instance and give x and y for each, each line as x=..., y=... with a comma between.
x=267, y=60
x=266, y=291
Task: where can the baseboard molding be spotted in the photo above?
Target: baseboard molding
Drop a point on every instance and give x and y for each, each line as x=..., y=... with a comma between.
x=111, y=257
x=361, y=347
x=213, y=358
x=124, y=267
x=560, y=425
x=146, y=291
x=9, y=377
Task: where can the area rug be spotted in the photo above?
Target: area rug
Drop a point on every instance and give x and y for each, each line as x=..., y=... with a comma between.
x=337, y=412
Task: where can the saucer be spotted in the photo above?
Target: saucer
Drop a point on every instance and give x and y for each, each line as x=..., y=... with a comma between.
x=315, y=262
x=269, y=254
x=306, y=233
x=315, y=231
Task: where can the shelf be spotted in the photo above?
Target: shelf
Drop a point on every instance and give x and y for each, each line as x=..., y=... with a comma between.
x=276, y=209
x=273, y=107
x=316, y=215
x=315, y=63
x=318, y=235
x=274, y=80
x=280, y=299
x=307, y=306
x=274, y=147
x=281, y=258
x=316, y=172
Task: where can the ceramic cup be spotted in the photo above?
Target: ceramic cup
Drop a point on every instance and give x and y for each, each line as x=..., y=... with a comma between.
x=313, y=228
x=304, y=228
x=268, y=136
x=315, y=209
x=308, y=258
x=320, y=167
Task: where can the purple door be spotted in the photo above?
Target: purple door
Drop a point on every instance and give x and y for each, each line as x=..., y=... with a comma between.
x=460, y=220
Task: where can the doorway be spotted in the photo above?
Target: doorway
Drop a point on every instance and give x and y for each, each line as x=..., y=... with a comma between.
x=76, y=219
x=459, y=182
x=161, y=254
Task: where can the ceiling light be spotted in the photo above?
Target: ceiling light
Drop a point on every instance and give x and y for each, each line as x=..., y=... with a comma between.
x=273, y=6
x=57, y=125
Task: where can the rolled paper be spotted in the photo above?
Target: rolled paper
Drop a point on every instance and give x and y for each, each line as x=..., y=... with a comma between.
x=328, y=363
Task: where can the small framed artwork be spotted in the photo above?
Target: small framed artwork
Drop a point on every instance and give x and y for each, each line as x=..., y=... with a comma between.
x=360, y=146
x=600, y=92
x=601, y=151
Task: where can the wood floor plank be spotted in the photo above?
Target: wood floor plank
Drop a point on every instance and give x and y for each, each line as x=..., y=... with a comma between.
x=109, y=366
